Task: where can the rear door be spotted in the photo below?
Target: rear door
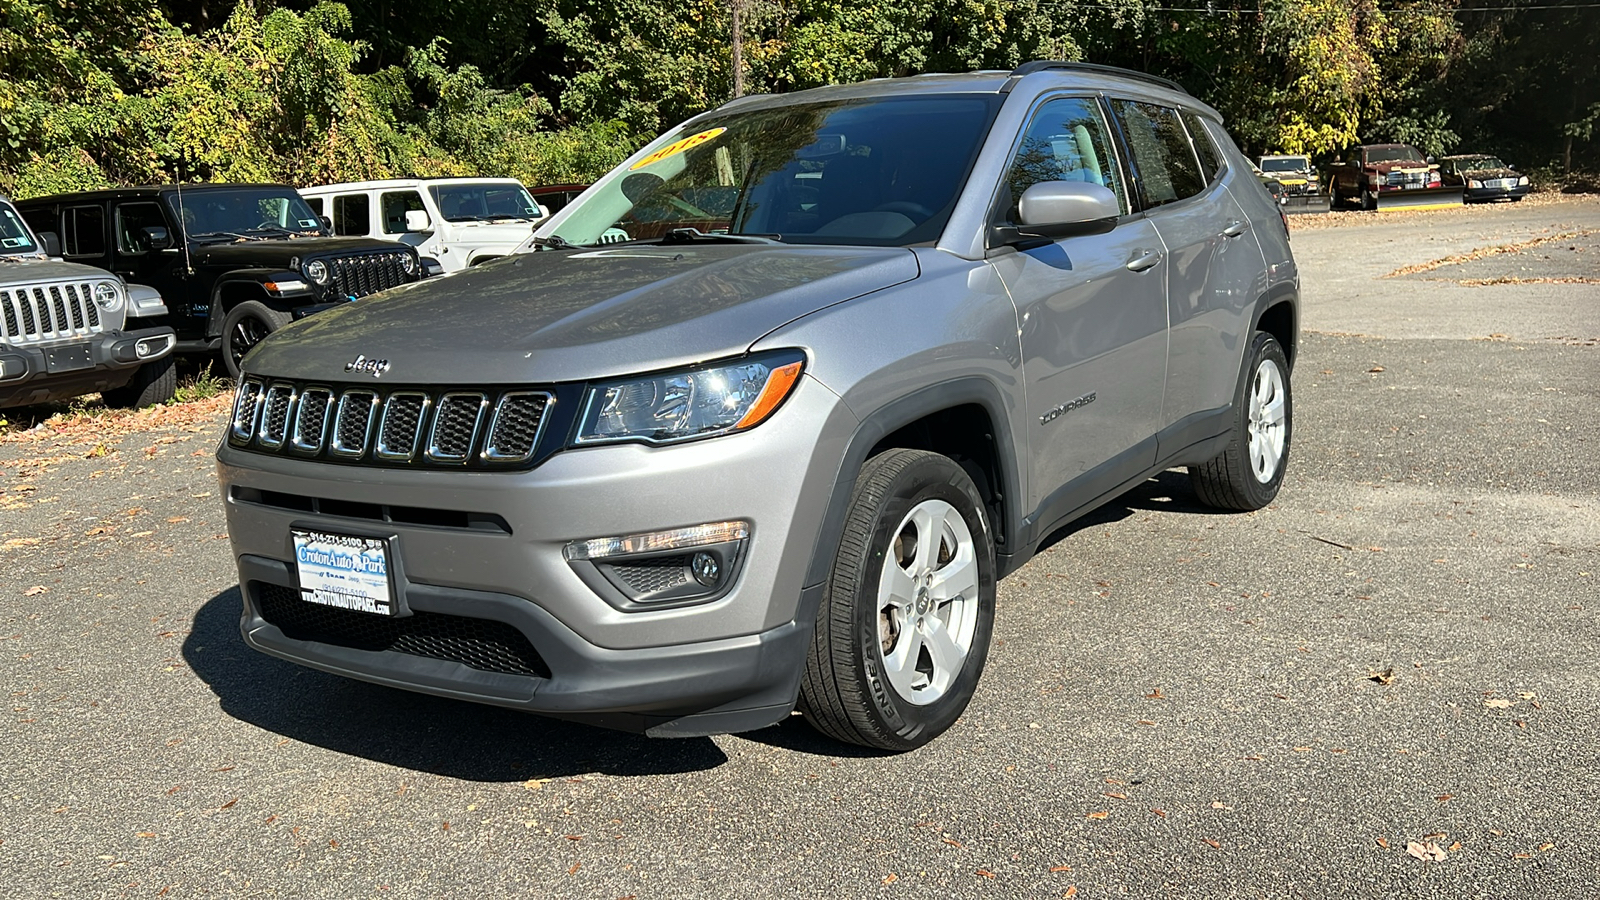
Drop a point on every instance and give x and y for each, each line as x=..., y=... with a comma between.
x=1092, y=311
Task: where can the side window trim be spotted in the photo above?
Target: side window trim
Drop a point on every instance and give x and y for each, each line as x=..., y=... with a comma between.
x=1093, y=98
x=69, y=213
x=1127, y=144
x=1191, y=121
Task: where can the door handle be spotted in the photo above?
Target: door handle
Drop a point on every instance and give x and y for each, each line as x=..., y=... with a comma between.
x=1145, y=260
x=1236, y=229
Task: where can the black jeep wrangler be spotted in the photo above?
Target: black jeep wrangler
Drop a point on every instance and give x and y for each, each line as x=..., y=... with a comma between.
x=234, y=262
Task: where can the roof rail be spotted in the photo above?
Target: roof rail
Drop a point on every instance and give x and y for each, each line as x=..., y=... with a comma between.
x=1041, y=65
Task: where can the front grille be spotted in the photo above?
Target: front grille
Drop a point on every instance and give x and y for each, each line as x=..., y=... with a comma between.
x=400, y=428
x=1403, y=178
x=47, y=312
x=482, y=644
x=367, y=273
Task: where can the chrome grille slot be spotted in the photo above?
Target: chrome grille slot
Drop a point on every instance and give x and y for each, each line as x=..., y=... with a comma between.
x=514, y=430
x=312, y=422
x=455, y=425
x=402, y=426
x=353, y=424
x=246, y=406
x=275, y=415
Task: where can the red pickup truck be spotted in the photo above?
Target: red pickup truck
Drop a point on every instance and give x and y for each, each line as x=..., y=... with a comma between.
x=1388, y=176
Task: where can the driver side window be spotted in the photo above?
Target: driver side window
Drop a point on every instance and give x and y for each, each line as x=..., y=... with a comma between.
x=132, y=220
x=1066, y=141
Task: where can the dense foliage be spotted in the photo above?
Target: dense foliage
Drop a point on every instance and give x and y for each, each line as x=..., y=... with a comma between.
x=97, y=92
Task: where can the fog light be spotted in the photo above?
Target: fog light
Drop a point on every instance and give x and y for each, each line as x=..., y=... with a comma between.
x=707, y=569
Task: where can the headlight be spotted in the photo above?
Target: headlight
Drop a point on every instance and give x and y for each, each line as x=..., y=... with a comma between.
x=692, y=403
x=106, y=295
x=1474, y=184
x=317, y=271
x=1522, y=180
x=408, y=263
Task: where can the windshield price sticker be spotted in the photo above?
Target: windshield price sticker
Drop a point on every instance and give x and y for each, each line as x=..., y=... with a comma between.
x=344, y=571
x=678, y=146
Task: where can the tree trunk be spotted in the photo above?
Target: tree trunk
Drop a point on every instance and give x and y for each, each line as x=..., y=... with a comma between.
x=738, y=51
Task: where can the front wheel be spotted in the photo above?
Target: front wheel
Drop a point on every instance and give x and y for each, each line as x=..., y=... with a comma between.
x=908, y=609
x=1248, y=474
x=244, y=327
x=152, y=383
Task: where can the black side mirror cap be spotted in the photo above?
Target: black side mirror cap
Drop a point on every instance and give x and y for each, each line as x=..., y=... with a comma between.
x=50, y=242
x=156, y=237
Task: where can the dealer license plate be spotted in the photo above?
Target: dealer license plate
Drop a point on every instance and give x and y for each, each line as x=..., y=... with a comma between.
x=345, y=571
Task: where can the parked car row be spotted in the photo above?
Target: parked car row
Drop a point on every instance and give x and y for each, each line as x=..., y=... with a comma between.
x=1390, y=176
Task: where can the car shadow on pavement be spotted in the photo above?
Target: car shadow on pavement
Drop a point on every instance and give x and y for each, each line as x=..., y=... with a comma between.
x=415, y=731
x=1167, y=491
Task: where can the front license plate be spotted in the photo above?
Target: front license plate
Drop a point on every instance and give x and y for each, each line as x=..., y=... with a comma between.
x=345, y=571
x=68, y=359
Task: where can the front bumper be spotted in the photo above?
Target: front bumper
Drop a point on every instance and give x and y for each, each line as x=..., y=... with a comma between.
x=540, y=636
x=39, y=374
x=1486, y=194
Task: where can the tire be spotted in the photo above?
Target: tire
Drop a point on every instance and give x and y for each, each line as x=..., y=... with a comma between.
x=1368, y=202
x=934, y=608
x=152, y=383
x=1248, y=474
x=244, y=327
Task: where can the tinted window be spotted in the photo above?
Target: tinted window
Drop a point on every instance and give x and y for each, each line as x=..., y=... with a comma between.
x=315, y=203
x=1066, y=141
x=1210, y=158
x=14, y=235
x=85, y=231
x=395, y=205
x=132, y=219
x=352, y=214
x=1167, y=168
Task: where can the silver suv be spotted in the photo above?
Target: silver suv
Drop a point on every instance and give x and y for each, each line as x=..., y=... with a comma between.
x=864, y=348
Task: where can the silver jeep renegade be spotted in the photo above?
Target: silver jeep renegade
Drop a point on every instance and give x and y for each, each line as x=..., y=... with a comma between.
x=760, y=419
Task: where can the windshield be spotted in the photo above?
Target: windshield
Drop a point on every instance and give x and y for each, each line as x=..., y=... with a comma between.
x=1480, y=163
x=1285, y=164
x=244, y=212
x=1393, y=154
x=14, y=234
x=884, y=172
x=484, y=202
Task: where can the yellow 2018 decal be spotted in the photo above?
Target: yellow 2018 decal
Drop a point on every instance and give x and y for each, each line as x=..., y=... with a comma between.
x=678, y=146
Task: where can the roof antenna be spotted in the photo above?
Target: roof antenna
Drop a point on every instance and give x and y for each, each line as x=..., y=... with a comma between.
x=183, y=224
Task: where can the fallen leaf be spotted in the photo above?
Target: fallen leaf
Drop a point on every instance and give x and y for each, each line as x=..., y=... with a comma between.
x=229, y=804
x=1546, y=846
x=1384, y=677
x=444, y=826
x=1384, y=843
x=1115, y=796
x=1456, y=847
x=575, y=868
x=985, y=873
x=1061, y=868
x=1427, y=852
x=1445, y=798
x=1160, y=812
x=1071, y=891
x=1376, y=369
x=146, y=834
x=1215, y=844
x=1497, y=703
x=573, y=837
x=1155, y=695
x=1101, y=814
x=35, y=591
x=890, y=878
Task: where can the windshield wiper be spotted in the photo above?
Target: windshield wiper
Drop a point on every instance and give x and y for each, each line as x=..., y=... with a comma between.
x=690, y=235
x=229, y=235
x=554, y=242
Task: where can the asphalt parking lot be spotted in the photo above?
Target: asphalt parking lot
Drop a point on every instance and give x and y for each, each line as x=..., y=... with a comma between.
x=1381, y=686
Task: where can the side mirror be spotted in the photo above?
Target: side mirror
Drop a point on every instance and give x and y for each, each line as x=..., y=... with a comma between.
x=1431, y=159
x=156, y=237
x=51, y=243
x=418, y=220
x=1056, y=209
x=326, y=222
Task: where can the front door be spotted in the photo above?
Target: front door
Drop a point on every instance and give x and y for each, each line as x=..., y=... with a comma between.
x=1093, y=317
x=137, y=261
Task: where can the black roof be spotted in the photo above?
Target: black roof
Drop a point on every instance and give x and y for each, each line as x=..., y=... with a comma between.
x=143, y=190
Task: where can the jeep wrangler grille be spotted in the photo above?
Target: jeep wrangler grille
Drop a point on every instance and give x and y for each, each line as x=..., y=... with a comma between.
x=369, y=273
x=403, y=427
x=47, y=312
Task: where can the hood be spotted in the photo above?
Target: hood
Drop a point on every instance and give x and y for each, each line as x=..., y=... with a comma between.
x=504, y=232
x=568, y=316
x=35, y=269
x=278, y=252
x=1401, y=165
x=1481, y=174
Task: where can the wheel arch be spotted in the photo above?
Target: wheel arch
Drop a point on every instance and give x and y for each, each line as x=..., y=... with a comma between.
x=964, y=419
x=1280, y=317
x=234, y=289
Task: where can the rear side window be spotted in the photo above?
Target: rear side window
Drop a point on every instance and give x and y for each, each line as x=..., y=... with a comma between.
x=1167, y=168
x=352, y=214
x=1067, y=141
x=315, y=203
x=395, y=205
x=84, y=230
x=1210, y=158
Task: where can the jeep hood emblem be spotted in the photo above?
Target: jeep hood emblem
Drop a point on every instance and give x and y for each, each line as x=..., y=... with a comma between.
x=373, y=367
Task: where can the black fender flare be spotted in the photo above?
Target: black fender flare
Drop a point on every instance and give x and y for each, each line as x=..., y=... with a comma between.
x=891, y=417
x=255, y=278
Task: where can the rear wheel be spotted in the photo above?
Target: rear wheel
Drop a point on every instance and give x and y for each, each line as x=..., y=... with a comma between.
x=1248, y=474
x=908, y=609
x=245, y=326
x=152, y=383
